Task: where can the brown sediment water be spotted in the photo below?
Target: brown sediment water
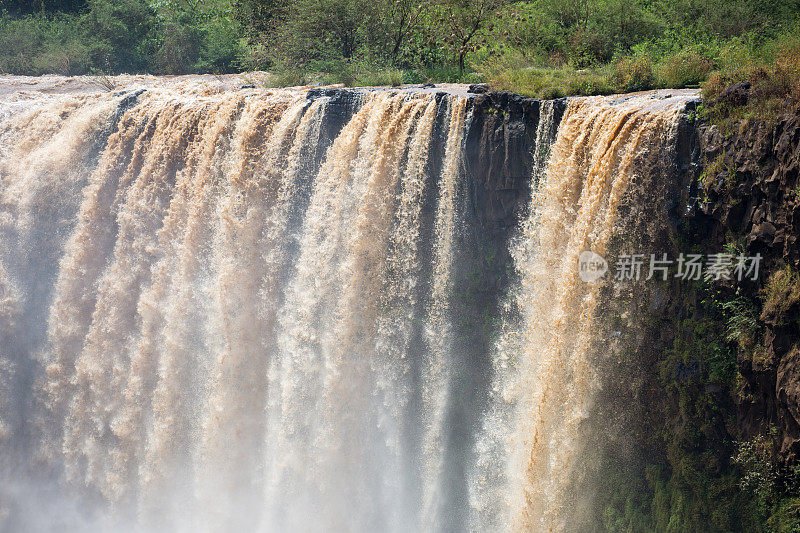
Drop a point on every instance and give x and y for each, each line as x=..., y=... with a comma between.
x=225, y=307
x=546, y=383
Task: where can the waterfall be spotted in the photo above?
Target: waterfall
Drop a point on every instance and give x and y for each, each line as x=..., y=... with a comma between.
x=546, y=361
x=255, y=309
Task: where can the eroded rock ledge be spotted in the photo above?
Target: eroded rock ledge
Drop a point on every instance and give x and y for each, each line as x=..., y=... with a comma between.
x=750, y=199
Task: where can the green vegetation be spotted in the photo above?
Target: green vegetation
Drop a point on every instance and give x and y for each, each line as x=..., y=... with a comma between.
x=698, y=473
x=544, y=48
x=115, y=36
x=742, y=322
x=713, y=169
x=771, y=66
x=769, y=482
x=781, y=293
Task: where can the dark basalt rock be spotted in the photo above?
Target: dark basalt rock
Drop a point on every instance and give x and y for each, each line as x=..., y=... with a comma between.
x=478, y=88
x=737, y=94
x=753, y=197
x=325, y=91
x=129, y=99
x=500, y=144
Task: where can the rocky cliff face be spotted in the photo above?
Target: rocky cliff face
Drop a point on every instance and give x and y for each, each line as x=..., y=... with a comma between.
x=701, y=402
x=750, y=197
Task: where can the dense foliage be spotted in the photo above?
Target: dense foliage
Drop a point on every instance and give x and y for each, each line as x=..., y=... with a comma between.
x=540, y=48
x=698, y=474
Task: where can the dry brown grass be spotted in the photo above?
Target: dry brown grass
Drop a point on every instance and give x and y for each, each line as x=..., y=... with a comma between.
x=780, y=294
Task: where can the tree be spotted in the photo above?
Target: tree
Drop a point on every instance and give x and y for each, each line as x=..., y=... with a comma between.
x=312, y=30
x=196, y=36
x=123, y=29
x=23, y=7
x=403, y=17
x=463, y=20
x=256, y=16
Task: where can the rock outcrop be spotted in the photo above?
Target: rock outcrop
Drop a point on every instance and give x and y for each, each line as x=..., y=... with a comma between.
x=750, y=197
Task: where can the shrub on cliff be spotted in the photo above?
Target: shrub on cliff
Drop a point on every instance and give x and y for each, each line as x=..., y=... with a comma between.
x=685, y=69
x=780, y=295
x=768, y=72
x=634, y=74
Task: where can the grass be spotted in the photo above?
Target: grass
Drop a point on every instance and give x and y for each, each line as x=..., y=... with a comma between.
x=626, y=73
x=773, y=70
x=718, y=170
x=771, y=65
x=512, y=72
x=684, y=69
x=363, y=73
x=780, y=294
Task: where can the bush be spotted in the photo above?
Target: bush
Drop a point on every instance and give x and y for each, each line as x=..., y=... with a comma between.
x=71, y=58
x=588, y=47
x=634, y=74
x=787, y=65
x=115, y=36
x=123, y=33
x=41, y=44
x=742, y=322
x=221, y=49
x=772, y=67
x=194, y=40
x=781, y=293
x=760, y=467
x=591, y=83
x=685, y=69
x=179, y=45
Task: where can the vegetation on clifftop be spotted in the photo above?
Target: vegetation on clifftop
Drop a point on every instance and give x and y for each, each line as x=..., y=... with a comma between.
x=543, y=48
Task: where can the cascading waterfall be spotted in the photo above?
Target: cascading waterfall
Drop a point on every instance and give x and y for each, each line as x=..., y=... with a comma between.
x=546, y=374
x=239, y=310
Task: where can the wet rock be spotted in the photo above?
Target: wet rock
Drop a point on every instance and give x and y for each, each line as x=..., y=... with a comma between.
x=478, y=88
x=761, y=235
x=325, y=91
x=787, y=392
x=129, y=99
